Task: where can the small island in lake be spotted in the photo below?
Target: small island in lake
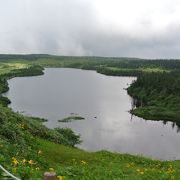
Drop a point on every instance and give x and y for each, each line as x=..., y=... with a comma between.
x=71, y=118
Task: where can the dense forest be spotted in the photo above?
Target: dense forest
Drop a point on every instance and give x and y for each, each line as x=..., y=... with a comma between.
x=157, y=96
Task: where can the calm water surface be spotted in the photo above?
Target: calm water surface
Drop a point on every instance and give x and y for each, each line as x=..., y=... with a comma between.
x=103, y=102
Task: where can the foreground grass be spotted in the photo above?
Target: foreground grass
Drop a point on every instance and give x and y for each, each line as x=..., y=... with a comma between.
x=74, y=163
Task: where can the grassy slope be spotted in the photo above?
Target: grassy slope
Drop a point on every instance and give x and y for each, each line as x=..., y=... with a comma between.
x=71, y=162
x=77, y=164
x=8, y=67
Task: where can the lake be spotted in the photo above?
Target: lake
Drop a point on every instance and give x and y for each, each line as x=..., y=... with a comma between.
x=105, y=105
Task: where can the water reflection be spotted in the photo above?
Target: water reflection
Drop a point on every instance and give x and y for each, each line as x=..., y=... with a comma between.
x=175, y=125
x=103, y=102
x=136, y=103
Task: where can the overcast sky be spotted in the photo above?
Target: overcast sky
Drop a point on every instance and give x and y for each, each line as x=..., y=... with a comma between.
x=131, y=28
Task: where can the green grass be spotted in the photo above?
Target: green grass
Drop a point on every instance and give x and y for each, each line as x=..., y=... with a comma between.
x=8, y=67
x=154, y=70
x=74, y=163
x=144, y=69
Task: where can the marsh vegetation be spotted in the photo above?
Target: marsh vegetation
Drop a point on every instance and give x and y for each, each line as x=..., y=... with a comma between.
x=71, y=118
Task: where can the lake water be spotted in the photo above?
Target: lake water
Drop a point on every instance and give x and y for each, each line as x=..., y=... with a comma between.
x=103, y=102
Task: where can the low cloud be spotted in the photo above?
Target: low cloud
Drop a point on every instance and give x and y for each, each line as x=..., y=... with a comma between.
x=84, y=27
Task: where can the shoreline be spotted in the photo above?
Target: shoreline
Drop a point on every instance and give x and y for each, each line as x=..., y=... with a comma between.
x=139, y=116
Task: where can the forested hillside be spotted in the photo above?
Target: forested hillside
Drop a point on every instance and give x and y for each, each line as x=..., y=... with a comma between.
x=158, y=96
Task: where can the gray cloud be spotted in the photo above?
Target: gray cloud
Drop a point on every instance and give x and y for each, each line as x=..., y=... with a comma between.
x=67, y=27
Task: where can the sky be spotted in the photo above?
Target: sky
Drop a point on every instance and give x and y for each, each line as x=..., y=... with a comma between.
x=124, y=28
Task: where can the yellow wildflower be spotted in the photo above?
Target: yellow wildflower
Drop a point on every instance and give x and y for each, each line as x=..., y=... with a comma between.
x=24, y=161
x=14, y=161
x=83, y=162
x=138, y=170
x=21, y=126
x=31, y=162
x=141, y=172
x=60, y=177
